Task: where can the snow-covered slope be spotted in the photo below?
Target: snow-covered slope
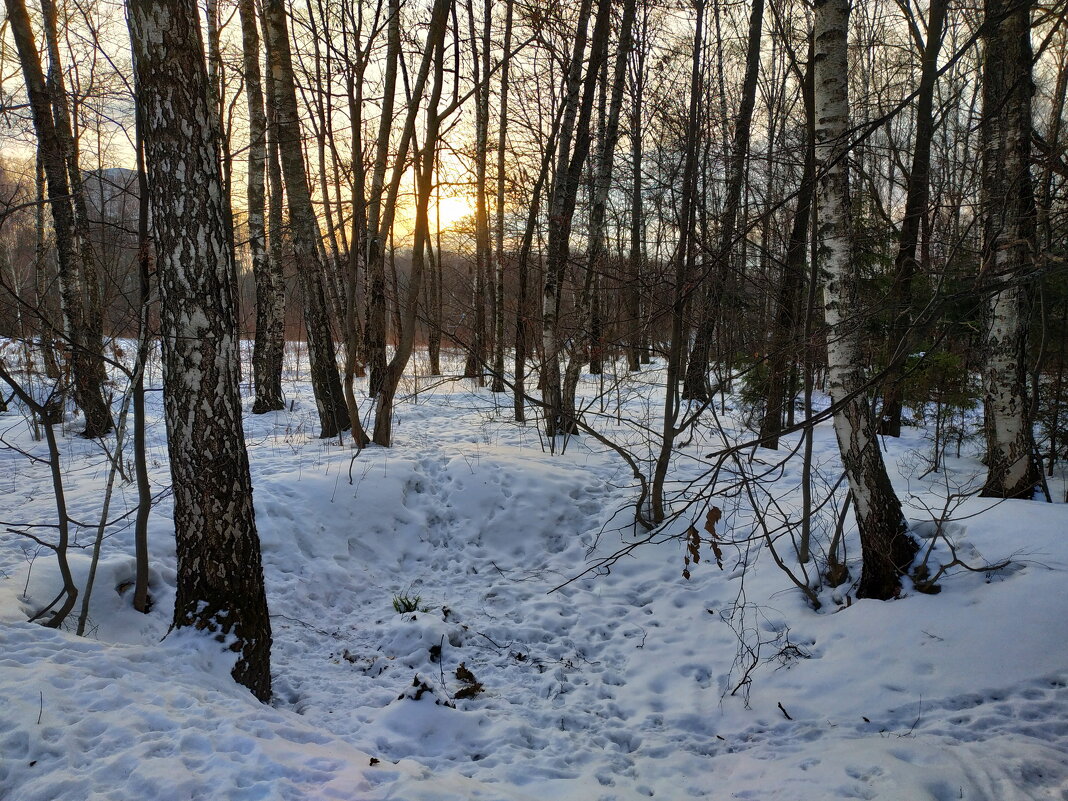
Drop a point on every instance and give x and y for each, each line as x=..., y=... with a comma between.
x=627, y=682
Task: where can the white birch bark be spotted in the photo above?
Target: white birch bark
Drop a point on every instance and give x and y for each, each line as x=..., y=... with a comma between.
x=887, y=550
x=1008, y=246
x=220, y=579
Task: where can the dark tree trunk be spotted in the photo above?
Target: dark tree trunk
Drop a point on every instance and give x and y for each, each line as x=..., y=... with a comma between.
x=141, y=600
x=475, y=366
x=632, y=292
x=684, y=258
x=695, y=385
x=919, y=190
x=326, y=381
x=572, y=151
x=76, y=276
x=433, y=55
x=789, y=303
x=498, y=258
x=270, y=290
x=375, y=338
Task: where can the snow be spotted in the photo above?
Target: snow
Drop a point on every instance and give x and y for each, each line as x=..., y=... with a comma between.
x=626, y=682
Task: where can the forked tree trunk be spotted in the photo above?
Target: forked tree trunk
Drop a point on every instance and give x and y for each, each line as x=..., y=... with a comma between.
x=81, y=320
x=220, y=579
x=603, y=168
x=326, y=382
x=887, y=549
x=375, y=338
x=433, y=55
x=572, y=150
x=1008, y=244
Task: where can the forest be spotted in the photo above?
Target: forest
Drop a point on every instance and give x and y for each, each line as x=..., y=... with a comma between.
x=488, y=352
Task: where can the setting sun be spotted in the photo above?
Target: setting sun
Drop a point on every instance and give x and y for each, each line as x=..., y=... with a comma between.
x=448, y=211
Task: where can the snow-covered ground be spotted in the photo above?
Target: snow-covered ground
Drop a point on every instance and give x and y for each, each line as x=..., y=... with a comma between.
x=626, y=682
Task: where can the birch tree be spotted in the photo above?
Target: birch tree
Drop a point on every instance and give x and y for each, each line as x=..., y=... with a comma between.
x=887, y=549
x=78, y=281
x=220, y=579
x=304, y=226
x=270, y=290
x=1008, y=216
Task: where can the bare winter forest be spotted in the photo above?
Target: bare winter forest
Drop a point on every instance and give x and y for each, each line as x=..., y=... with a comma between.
x=792, y=275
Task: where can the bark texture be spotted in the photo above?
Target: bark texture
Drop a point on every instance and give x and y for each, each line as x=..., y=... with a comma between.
x=433, y=56
x=220, y=578
x=573, y=148
x=1008, y=246
x=789, y=311
x=696, y=385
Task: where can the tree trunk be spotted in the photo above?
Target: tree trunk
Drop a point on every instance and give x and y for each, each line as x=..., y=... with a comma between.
x=220, y=579
x=276, y=229
x=357, y=241
x=141, y=600
x=326, y=382
x=375, y=261
x=268, y=345
x=683, y=271
x=81, y=314
x=887, y=548
x=695, y=385
x=609, y=136
x=475, y=366
x=637, y=215
x=789, y=304
x=97, y=415
x=498, y=273
x=435, y=54
x=434, y=289
x=572, y=150
x=523, y=270
x=1008, y=216
x=917, y=195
